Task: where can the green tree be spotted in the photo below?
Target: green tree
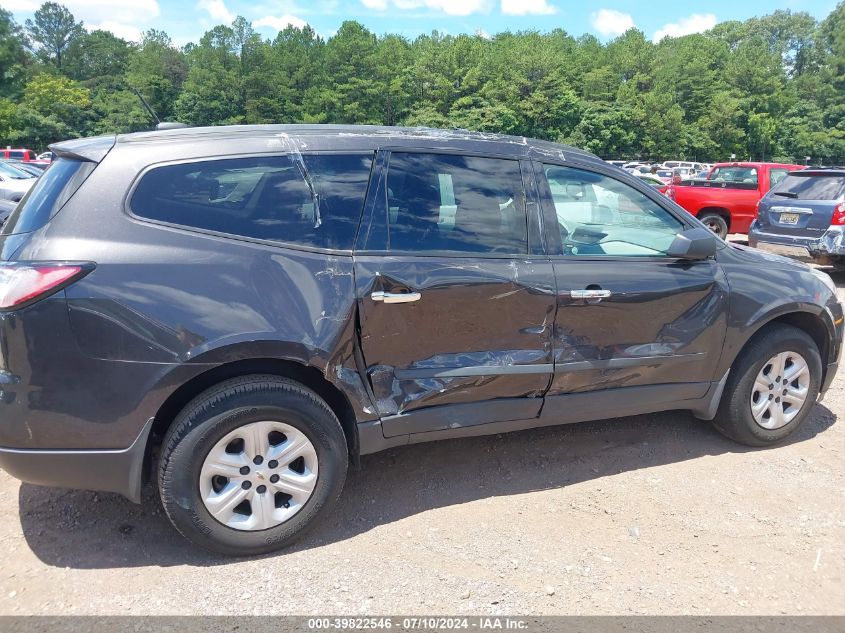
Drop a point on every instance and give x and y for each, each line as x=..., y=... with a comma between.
x=13, y=57
x=157, y=70
x=211, y=94
x=96, y=57
x=53, y=108
x=53, y=29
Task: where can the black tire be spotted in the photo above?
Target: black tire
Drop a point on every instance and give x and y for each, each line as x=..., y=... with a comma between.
x=715, y=223
x=734, y=418
x=219, y=411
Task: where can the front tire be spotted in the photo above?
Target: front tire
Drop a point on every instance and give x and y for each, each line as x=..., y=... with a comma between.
x=250, y=465
x=772, y=387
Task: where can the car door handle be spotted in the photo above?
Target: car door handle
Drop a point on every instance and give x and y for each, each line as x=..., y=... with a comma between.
x=396, y=297
x=590, y=294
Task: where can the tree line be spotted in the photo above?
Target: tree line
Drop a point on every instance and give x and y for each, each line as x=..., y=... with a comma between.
x=768, y=88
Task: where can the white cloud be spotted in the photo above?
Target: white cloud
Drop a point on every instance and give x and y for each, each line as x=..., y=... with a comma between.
x=280, y=23
x=527, y=7
x=21, y=5
x=216, y=10
x=450, y=7
x=128, y=32
x=695, y=23
x=484, y=35
x=122, y=11
x=609, y=22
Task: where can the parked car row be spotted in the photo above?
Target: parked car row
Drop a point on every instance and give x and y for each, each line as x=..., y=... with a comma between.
x=726, y=201
x=686, y=167
x=25, y=155
x=14, y=181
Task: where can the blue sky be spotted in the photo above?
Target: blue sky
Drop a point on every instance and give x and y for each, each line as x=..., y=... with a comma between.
x=186, y=20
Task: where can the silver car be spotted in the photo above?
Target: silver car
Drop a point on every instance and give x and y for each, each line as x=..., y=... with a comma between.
x=14, y=183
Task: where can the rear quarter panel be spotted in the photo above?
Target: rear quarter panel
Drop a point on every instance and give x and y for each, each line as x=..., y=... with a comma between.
x=166, y=304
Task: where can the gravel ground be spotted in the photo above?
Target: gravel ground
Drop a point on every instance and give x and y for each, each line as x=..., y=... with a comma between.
x=647, y=515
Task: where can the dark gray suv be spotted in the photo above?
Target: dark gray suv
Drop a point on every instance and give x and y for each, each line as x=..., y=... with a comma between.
x=242, y=311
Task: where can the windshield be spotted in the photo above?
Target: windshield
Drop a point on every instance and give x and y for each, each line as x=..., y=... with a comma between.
x=48, y=195
x=13, y=172
x=812, y=187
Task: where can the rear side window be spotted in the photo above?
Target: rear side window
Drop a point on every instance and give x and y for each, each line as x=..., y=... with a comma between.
x=17, y=155
x=735, y=174
x=812, y=187
x=312, y=200
x=49, y=194
x=445, y=202
x=776, y=176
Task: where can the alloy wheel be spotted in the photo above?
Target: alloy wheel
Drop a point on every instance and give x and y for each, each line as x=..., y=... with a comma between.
x=780, y=390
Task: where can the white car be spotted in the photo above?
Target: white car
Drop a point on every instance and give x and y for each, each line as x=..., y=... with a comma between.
x=46, y=156
x=14, y=183
x=674, y=164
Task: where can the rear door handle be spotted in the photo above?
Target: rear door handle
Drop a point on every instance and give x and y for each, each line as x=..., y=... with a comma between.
x=590, y=294
x=396, y=297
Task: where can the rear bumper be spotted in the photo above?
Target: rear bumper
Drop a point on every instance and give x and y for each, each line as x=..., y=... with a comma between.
x=105, y=470
x=820, y=249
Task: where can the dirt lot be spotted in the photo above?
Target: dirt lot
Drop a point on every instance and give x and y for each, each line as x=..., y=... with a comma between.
x=654, y=514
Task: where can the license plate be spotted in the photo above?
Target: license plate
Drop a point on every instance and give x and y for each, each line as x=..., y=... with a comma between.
x=789, y=218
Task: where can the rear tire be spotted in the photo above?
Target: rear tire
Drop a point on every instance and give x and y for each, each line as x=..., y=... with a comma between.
x=223, y=494
x=715, y=223
x=780, y=411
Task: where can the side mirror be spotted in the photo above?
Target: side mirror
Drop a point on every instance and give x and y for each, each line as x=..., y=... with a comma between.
x=696, y=243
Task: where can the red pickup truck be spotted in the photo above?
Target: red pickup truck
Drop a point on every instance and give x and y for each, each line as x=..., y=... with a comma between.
x=727, y=200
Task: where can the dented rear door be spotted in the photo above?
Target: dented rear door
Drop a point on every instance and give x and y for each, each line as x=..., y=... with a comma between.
x=451, y=337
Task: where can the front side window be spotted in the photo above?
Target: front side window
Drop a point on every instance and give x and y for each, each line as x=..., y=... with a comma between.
x=445, y=202
x=312, y=200
x=598, y=215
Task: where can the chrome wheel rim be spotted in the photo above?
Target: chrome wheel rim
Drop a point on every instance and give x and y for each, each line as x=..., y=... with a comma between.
x=258, y=476
x=780, y=390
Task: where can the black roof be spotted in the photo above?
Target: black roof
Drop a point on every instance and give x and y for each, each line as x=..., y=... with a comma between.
x=314, y=137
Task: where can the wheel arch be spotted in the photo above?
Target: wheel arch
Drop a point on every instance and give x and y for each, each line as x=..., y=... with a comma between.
x=724, y=213
x=307, y=375
x=813, y=323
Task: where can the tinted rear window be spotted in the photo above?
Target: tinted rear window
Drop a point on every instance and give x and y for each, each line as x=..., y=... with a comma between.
x=49, y=194
x=268, y=197
x=815, y=187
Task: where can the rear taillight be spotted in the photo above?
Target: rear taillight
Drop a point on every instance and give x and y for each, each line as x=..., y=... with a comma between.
x=23, y=283
x=838, y=218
